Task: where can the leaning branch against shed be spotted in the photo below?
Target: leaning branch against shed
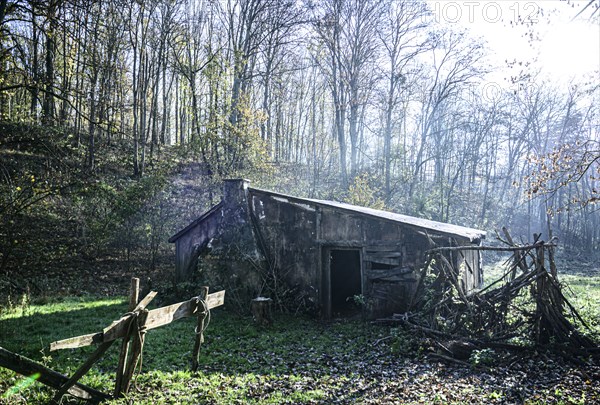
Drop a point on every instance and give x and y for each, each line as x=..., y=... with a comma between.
x=529, y=305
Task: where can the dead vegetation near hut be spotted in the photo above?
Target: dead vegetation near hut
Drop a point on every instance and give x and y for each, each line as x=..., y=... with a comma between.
x=524, y=309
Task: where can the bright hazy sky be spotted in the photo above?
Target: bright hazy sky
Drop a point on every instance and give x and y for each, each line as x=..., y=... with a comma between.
x=568, y=47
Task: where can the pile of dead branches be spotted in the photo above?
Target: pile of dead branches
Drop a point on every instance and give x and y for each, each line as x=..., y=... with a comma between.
x=525, y=307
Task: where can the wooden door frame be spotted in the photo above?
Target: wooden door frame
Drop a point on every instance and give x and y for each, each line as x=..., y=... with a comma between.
x=326, y=274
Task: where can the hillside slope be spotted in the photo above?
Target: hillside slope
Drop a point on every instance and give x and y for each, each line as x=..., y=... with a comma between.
x=65, y=230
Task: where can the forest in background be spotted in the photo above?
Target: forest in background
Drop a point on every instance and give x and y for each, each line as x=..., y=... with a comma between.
x=119, y=119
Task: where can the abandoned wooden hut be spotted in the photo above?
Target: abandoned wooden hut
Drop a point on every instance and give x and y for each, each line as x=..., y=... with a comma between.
x=331, y=254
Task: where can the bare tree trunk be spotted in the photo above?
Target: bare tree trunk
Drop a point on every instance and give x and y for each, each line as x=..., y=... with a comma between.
x=48, y=104
x=34, y=89
x=135, y=126
x=66, y=79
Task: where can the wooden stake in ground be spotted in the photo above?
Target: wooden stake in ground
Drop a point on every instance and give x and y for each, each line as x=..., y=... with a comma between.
x=137, y=330
x=261, y=311
x=133, y=301
x=203, y=312
x=139, y=333
x=543, y=326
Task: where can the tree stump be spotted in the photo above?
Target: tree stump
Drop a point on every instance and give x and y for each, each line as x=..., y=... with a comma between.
x=261, y=310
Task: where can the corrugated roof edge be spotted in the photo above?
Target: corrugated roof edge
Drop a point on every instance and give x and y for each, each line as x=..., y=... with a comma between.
x=474, y=235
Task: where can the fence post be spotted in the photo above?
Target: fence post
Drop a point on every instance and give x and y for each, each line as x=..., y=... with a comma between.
x=202, y=314
x=134, y=296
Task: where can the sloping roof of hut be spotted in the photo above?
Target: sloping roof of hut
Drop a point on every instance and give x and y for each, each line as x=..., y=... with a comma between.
x=473, y=235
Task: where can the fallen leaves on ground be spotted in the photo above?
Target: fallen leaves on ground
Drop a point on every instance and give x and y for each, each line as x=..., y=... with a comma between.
x=357, y=366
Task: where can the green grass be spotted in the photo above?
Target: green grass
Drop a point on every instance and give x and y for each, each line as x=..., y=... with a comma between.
x=28, y=329
x=240, y=362
x=583, y=292
x=581, y=286
x=298, y=360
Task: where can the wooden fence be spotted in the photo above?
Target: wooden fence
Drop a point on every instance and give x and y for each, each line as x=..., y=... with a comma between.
x=131, y=328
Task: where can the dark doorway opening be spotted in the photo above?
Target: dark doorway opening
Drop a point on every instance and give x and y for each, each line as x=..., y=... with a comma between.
x=346, y=282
